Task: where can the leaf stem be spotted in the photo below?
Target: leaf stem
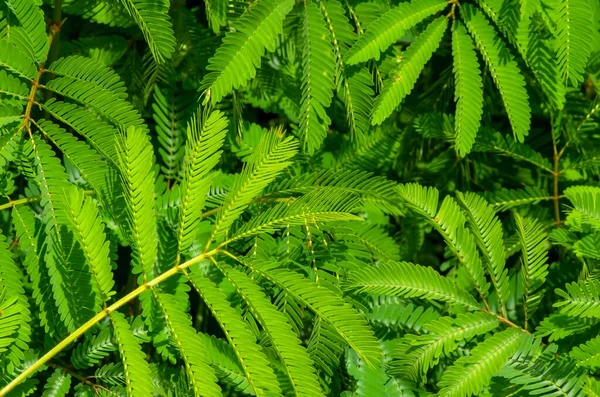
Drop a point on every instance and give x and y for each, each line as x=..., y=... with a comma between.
x=99, y=317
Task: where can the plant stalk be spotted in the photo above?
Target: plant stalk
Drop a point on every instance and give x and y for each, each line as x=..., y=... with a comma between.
x=99, y=317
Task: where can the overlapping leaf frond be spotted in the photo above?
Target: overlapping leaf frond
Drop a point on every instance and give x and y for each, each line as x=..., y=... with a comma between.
x=580, y=299
x=534, y=267
x=268, y=160
x=89, y=230
x=402, y=80
x=503, y=68
x=136, y=369
x=470, y=374
x=347, y=322
x=487, y=230
x=296, y=362
x=239, y=55
x=468, y=90
x=15, y=313
x=200, y=375
x=136, y=160
x=390, y=27
x=416, y=354
x=252, y=360
x=203, y=150
x=318, y=66
x=152, y=18
x=408, y=280
x=573, y=38
x=449, y=220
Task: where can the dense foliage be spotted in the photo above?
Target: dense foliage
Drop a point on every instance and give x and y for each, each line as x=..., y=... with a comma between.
x=286, y=197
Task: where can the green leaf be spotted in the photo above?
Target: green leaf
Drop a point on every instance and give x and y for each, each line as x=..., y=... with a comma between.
x=296, y=361
x=574, y=38
x=58, y=384
x=416, y=354
x=203, y=151
x=200, y=375
x=405, y=279
x=580, y=299
x=348, y=323
x=240, y=53
x=268, y=159
x=318, y=68
x=503, y=68
x=587, y=354
x=31, y=19
x=390, y=27
x=402, y=80
x=468, y=92
x=534, y=267
x=136, y=160
x=153, y=20
x=252, y=360
x=137, y=371
x=470, y=374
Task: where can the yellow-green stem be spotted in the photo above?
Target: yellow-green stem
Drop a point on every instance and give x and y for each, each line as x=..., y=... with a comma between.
x=97, y=318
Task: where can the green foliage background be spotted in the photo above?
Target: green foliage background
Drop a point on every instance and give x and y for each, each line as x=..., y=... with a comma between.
x=299, y=198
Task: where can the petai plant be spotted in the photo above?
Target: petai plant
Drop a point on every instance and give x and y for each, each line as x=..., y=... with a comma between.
x=299, y=198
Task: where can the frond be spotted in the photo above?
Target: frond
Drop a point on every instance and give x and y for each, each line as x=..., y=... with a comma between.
x=31, y=19
x=390, y=27
x=470, y=374
x=136, y=160
x=318, y=68
x=311, y=208
x=558, y=326
x=9, y=144
x=190, y=346
x=89, y=230
x=487, y=230
x=225, y=363
x=16, y=61
x=534, y=267
x=252, y=360
x=203, y=151
x=503, y=68
x=29, y=232
x=401, y=315
x=402, y=80
x=574, y=38
x=416, y=354
x=449, y=221
x=270, y=157
x=325, y=347
x=76, y=82
x=375, y=190
x=101, y=135
x=354, y=83
x=94, y=349
x=347, y=322
x=58, y=384
x=587, y=354
x=170, y=111
x=136, y=368
x=240, y=53
x=294, y=358
x=71, y=285
x=580, y=299
x=153, y=20
x=586, y=204
x=468, y=91
x=410, y=281
x=372, y=237
x=540, y=372
x=493, y=141
x=505, y=199
x=90, y=164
